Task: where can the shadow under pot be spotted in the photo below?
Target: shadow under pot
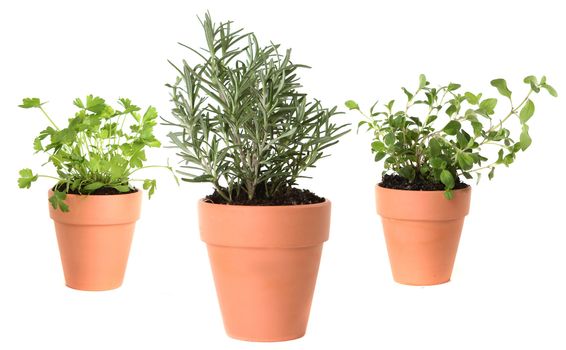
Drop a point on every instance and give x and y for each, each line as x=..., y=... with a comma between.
x=422, y=231
x=265, y=261
x=94, y=238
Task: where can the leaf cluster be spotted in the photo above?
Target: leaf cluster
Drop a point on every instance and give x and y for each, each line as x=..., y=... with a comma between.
x=101, y=147
x=442, y=133
x=241, y=120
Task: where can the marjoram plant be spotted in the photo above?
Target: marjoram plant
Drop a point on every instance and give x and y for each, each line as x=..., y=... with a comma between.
x=243, y=124
x=414, y=148
x=99, y=150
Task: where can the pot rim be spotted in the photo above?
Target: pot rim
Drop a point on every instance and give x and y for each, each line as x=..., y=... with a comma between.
x=414, y=205
x=99, y=210
x=245, y=226
x=293, y=206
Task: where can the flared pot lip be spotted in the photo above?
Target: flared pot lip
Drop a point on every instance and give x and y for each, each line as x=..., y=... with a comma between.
x=247, y=226
x=99, y=210
x=382, y=188
x=326, y=202
x=422, y=205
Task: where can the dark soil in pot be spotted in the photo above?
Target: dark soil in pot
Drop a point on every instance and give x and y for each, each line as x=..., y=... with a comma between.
x=287, y=196
x=400, y=183
x=101, y=191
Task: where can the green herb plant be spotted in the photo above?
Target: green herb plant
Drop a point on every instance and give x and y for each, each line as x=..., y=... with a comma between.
x=451, y=135
x=101, y=148
x=242, y=123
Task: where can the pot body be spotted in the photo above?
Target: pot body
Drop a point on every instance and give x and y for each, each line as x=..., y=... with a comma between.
x=422, y=231
x=94, y=238
x=265, y=261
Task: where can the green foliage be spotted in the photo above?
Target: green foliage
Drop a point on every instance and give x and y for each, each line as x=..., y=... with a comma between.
x=501, y=86
x=414, y=147
x=352, y=105
x=26, y=178
x=31, y=103
x=242, y=123
x=101, y=147
x=57, y=200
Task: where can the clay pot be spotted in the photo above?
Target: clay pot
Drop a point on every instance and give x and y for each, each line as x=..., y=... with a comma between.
x=265, y=262
x=94, y=238
x=422, y=230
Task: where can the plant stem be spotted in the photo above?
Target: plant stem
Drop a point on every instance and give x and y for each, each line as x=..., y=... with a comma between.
x=50, y=120
x=482, y=168
x=513, y=111
x=51, y=177
x=150, y=166
x=221, y=192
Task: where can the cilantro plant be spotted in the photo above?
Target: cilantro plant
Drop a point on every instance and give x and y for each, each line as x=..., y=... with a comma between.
x=441, y=133
x=242, y=122
x=99, y=150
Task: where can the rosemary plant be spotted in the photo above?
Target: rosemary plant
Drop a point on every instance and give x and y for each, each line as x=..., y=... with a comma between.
x=242, y=123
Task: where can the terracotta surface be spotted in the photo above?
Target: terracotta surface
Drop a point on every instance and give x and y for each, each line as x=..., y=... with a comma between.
x=94, y=238
x=422, y=230
x=265, y=263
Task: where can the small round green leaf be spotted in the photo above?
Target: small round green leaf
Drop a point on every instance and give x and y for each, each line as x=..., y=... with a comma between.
x=550, y=90
x=352, y=105
x=452, y=127
x=453, y=86
x=377, y=146
x=465, y=160
x=434, y=147
x=527, y=111
x=389, y=139
x=487, y=106
x=422, y=81
x=447, y=179
x=525, y=139
x=408, y=172
x=501, y=86
x=471, y=98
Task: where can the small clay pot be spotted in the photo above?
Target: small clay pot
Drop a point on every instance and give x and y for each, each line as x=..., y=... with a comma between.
x=422, y=230
x=94, y=238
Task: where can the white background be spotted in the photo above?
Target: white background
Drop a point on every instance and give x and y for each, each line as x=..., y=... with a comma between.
x=508, y=288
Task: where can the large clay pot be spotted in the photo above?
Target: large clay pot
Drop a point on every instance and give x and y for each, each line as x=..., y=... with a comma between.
x=94, y=238
x=422, y=230
x=265, y=262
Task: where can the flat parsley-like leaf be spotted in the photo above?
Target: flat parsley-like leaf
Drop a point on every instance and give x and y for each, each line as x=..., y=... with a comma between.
x=150, y=185
x=57, y=201
x=33, y=102
x=26, y=178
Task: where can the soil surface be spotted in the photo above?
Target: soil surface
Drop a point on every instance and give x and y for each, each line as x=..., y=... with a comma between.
x=103, y=191
x=288, y=196
x=400, y=183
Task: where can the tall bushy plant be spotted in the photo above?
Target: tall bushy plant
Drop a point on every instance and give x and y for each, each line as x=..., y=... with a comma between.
x=450, y=134
x=242, y=122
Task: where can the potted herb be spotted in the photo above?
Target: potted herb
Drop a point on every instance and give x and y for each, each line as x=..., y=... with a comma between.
x=94, y=204
x=244, y=126
x=439, y=137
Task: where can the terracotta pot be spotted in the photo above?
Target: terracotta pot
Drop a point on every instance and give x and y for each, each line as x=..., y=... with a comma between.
x=422, y=230
x=265, y=262
x=94, y=238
